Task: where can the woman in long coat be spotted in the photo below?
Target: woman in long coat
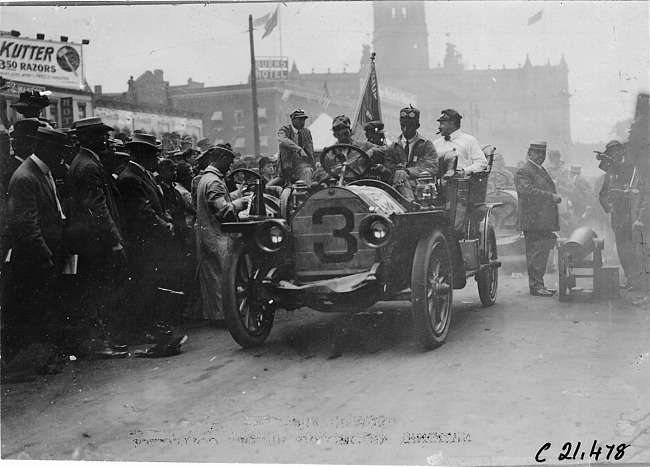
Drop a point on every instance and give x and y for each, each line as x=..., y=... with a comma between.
x=214, y=206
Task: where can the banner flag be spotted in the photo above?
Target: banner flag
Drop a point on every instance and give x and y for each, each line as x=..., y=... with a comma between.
x=271, y=23
x=536, y=17
x=369, y=108
x=261, y=20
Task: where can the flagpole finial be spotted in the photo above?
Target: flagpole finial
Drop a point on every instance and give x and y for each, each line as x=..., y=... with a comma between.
x=372, y=56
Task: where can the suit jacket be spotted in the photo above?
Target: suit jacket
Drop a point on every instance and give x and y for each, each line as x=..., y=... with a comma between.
x=535, y=190
x=290, y=158
x=422, y=156
x=95, y=222
x=35, y=226
x=145, y=216
x=616, y=181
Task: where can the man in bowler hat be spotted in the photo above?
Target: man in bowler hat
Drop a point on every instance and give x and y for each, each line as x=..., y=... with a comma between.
x=95, y=228
x=538, y=215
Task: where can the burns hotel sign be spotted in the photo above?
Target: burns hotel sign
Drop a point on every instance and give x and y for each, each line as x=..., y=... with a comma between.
x=272, y=69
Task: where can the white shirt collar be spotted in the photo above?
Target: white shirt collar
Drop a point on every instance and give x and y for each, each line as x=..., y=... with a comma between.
x=454, y=134
x=536, y=165
x=41, y=165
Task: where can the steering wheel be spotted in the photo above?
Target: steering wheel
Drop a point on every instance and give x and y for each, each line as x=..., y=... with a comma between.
x=243, y=175
x=346, y=162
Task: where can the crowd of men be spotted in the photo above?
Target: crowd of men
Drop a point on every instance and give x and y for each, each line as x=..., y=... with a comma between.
x=98, y=228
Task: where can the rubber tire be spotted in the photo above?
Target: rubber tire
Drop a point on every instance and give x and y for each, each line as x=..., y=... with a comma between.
x=487, y=289
x=429, y=337
x=232, y=302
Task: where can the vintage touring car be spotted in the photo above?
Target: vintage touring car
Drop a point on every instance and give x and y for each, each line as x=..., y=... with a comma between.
x=356, y=241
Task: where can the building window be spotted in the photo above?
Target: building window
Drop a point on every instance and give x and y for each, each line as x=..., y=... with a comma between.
x=392, y=12
x=264, y=141
x=403, y=12
x=81, y=107
x=217, y=116
x=261, y=117
x=239, y=118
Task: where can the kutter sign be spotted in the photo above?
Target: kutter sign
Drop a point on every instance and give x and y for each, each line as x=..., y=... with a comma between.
x=41, y=62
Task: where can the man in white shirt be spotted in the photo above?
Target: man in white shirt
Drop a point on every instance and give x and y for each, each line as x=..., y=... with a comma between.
x=456, y=143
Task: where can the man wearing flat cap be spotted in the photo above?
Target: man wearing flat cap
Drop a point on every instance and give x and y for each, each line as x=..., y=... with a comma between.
x=614, y=197
x=456, y=143
x=296, y=148
x=35, y=236
x=147, y=227
x=214, y=206
x=95, y=227
x=410, y=155
x=203, y=144
x=538, y=215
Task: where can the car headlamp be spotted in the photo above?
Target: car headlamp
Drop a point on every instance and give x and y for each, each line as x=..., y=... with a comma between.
x=271, y=235
x=376, y=230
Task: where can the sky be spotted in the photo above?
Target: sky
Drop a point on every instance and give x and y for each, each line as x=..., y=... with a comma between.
x=605, y=44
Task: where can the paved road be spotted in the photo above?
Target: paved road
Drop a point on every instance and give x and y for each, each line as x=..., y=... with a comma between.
x=343, y=389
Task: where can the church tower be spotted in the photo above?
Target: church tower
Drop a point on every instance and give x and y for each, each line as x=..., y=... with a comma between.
x=400, y=38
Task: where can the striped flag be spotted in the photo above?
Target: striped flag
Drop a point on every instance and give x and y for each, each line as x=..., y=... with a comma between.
x=327, y=97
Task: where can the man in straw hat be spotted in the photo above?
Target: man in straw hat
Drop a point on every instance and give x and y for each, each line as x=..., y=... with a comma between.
x=538, y=215
x=35, y=231
x=214, y=206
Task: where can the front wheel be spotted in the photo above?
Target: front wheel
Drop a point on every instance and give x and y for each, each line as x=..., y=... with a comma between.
x=488, y=279
x=432, y=289
x=249, y=316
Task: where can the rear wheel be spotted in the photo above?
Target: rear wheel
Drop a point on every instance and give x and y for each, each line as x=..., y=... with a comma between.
x=488, y=279
x=249, y=316
x=432, y=289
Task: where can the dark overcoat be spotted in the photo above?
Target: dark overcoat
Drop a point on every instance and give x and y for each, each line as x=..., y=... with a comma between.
x=35, y=227
x=94, y=225
x=535, y=190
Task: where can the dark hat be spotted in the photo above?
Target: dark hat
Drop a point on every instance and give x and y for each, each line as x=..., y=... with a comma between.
x=26, y=127
x=51, y=136
x=341, y=122
x=142, y=139
x=374, y=127
x=298, y=113
x=176, y=154
x=187, y=139
x=30, y=99
x=118, y=143
x=91, y=124
x=538, y=146
x=263, y=161
x=612, y=144
x=450, y=115
x=409, y=114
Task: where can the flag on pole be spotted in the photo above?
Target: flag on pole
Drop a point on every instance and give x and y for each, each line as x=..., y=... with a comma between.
x=368, y=108
x=261, y=20
x=327, y=98
x=271, y=23
x=536, y=17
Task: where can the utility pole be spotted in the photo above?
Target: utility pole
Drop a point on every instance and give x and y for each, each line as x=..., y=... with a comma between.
x=256, y=127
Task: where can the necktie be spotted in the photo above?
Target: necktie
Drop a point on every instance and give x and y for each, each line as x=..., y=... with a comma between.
x=407, y=149
x=50, y=180
x=447, y=138
x=300, y=140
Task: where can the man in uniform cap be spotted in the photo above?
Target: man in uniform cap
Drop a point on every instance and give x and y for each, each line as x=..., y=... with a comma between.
x=410, y=155
x=95, y=228
x=203, y=144
x=615, y=200
x=214, y=206
x=538, y=215
x=147, y=227
x=35, y=234
x=296, y=149
x=454, y=142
